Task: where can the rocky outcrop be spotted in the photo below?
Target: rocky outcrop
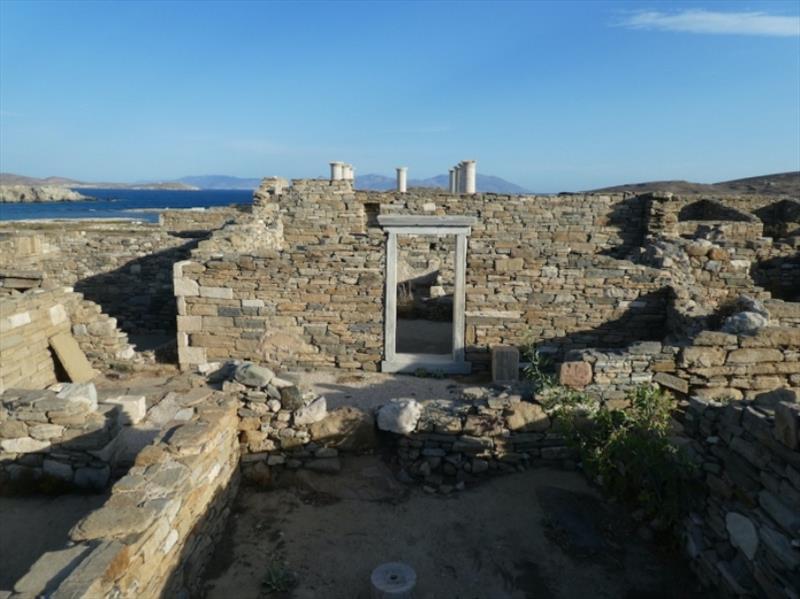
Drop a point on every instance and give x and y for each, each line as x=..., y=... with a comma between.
x=44, y=193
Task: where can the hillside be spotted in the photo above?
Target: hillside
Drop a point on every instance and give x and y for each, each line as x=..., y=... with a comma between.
x=780, y=184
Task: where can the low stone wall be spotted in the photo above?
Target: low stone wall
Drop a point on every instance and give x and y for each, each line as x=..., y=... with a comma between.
x=154, y=535
x=199, y=221
x=447, y=443
x=743, y=536
x=63, y=435
x=30, y=319
x=720, y=365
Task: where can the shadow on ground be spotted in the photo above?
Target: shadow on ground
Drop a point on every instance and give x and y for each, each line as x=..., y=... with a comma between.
x=541, y=533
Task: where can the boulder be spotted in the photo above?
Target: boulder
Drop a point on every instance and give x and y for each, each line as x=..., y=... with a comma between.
x=527, y=417
x=252, y=375
x=347, y=428
x=313, y=412
x=744, y=323
x=399, y=416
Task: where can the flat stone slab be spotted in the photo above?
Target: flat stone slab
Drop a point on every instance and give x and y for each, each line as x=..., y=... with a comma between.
x=72, y=358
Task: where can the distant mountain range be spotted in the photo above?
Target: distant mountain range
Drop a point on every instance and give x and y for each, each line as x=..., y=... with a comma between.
x=484, y=183
x=783, y=184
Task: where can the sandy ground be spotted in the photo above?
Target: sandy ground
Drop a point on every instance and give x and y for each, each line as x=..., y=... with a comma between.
x=541, y=533
x=32, y=525
x=370, y=390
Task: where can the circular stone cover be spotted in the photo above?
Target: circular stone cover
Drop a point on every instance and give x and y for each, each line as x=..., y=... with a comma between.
x=393, y=579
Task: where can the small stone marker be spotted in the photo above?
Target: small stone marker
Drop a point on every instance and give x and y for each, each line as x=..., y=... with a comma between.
x=393, y=580
x=72, y=358
x=505, y=364
x=575, y=374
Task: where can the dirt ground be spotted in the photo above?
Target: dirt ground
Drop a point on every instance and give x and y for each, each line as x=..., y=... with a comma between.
x=541, y=533
x=370, y=390
x=32, y=525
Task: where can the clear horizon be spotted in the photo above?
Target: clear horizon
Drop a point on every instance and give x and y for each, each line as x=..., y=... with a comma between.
x=550, y=96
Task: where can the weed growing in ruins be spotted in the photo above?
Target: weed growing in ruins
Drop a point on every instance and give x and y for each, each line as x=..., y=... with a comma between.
x=539, y=368
x=277, y=578
x=629, y=451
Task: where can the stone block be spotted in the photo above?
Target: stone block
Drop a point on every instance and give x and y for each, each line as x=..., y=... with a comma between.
x=216, y=292
x=23, y=445
x=399, y=416
x=702, y=356
x=78, y=393
x=754, y=356
x=313, y=412
x=57, y=469
x=575, y=374
x=528, y=417
x=132, y=409
x=742, y=533
x=72, y=358
x=787, y=424
x=185, y=287
x=505, y=364
x=671, y=382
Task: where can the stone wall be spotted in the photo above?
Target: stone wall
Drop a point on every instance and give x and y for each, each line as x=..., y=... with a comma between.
x=30, y=319
x=537, y=267
x=124, y=266
x=199, y=221
x=742, y=537
x=63, y=435
x=723, y=366
x=154, y=535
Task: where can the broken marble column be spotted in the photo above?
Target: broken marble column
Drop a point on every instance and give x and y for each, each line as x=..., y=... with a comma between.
x=470, y=176
x=402, y=179
x=457, y=178
x=452, y=181
x=347, y=172
x=337, y=171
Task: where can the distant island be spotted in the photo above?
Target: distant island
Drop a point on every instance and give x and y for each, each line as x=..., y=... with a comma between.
x=12, y=194
x=10, y=179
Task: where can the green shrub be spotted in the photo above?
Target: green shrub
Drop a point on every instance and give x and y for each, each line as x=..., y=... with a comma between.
x=629, y=451
x=539, y=368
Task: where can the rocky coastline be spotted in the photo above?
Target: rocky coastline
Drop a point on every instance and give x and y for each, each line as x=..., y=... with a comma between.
x=45, y=193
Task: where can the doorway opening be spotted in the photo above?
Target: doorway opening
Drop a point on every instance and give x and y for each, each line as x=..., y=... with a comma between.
x=424, y=293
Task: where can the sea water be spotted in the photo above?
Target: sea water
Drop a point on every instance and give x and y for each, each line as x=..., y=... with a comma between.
x=139, y=204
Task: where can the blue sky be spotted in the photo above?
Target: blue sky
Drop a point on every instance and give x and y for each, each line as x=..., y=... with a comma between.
x=553, y=96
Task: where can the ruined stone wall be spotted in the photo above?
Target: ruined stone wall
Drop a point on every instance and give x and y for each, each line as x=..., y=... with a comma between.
x=741, y=537
x=199, y=221
x=125, y=267
x=537, y=267
x=62, y=435
x=154, y=535
x=28, y=321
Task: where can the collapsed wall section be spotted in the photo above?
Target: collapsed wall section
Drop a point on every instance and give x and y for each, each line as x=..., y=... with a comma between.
x=29, y=320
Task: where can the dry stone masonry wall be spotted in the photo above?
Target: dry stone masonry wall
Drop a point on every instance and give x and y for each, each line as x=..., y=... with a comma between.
x=154, y=535
x=743, y=536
